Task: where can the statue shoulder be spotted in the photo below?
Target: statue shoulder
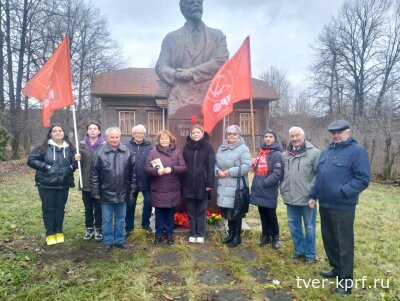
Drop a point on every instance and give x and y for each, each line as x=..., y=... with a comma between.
x=214, y=31
x=175, y=34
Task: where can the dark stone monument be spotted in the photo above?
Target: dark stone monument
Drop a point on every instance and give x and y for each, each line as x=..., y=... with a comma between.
x=189, y=59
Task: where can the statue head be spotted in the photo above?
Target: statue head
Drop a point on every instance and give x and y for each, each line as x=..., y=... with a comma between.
x=192, y=10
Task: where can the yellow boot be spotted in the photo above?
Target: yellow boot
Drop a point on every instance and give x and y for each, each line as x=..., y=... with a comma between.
x=60, y=238
x=51, y=240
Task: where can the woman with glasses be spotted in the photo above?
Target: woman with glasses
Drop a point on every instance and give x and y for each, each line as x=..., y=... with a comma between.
x=233, y=160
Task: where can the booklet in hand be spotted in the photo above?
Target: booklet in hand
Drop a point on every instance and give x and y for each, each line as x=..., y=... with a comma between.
x=156, y=163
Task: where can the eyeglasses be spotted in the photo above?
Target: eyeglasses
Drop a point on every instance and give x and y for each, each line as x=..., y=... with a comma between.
x=231, y=134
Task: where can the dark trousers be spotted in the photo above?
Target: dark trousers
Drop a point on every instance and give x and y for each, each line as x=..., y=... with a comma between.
x=53, y=208
x=196, y=210
x=269, y=221
x=92, y=210
x=131, y=208
x=337, y=229
x=164, y=221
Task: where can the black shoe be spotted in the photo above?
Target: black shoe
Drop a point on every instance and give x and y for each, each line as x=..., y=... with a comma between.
x=107, y=248
x=298, y=256
x=170, y=239
x=342, y=292
x=228, y=239
x=310, y=260
x=121, y=246
x=328, y=274
x=235, y=242
x=157, y=239
x=265, y=240
x=148, y=229
x=275, y=243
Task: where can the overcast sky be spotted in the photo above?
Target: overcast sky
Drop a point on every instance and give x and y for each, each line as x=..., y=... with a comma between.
x=281, y=31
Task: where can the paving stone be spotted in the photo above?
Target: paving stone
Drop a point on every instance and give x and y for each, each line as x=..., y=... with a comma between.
x=215, y=277
x=246, y=255
x=228, y=295
x=166, y=258
x=170, y=278
x=261, y=275
x=206, y=257
x=274, y=295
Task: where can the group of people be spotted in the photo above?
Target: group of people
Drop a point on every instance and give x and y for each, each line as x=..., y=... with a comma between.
x=114, y=173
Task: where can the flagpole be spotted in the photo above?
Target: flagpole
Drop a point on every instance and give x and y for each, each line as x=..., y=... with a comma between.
x=253, y=136
x=77, y=145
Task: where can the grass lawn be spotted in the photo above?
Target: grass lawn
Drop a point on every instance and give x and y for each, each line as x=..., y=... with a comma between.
x=78, y=270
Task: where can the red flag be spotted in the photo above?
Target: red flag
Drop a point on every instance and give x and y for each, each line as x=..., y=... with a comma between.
x=52, y=83
x=231, y=84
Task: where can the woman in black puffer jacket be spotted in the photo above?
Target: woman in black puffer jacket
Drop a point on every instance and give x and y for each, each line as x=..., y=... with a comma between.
x=268, y=171
x=54, y=164
x=198, y=180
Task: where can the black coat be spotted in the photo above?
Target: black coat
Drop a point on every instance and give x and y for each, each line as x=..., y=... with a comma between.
x=55, y=168
x=113, y=175
x=140, y=153
x=200, y=162
x=264, y=189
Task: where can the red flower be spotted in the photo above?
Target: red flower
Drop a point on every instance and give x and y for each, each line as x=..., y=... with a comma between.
x=194, y=119
x=181, y=219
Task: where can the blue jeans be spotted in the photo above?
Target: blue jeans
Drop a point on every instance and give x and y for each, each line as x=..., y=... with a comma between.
x=164, y=221
x=113, y=216
x=303, y=238
x=131, y=207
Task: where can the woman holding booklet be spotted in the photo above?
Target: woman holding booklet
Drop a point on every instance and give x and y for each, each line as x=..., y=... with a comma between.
x=165, y=165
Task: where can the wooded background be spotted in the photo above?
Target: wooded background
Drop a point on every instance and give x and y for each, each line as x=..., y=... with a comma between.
x=354, y=74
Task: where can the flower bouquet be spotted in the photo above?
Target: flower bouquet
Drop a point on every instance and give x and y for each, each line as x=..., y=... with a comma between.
x=213, y=218
x=181, y=219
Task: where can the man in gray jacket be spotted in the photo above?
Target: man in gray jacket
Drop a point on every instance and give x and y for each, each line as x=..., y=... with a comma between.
x=300, y=162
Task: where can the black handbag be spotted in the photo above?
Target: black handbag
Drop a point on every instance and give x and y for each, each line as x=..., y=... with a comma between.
x=242, y=199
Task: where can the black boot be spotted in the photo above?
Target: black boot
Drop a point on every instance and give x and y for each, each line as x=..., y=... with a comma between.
x=264, y=240
x=231, y=229
x=157, y=239
x=236, y=238
x=170, y=239
x=275, y=243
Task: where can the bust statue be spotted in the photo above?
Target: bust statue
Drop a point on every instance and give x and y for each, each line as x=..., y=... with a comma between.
x=189, y=59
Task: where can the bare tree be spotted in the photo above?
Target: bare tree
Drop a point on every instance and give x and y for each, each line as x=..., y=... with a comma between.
x=30, y=32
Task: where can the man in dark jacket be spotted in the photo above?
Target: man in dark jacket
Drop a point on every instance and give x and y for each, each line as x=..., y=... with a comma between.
x=343, y=172
x=112, y=178
x=139, y=149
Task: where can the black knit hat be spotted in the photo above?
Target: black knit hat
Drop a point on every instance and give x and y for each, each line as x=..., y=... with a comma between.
x=271, y=131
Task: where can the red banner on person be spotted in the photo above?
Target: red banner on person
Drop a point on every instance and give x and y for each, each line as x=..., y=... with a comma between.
x=52, y=83
x=231, y=84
